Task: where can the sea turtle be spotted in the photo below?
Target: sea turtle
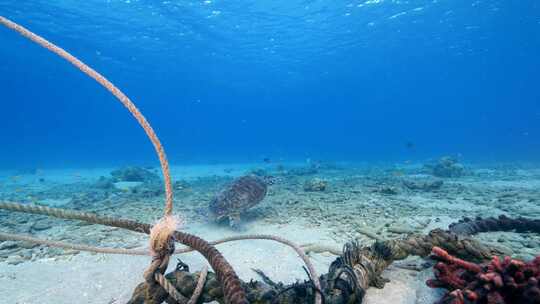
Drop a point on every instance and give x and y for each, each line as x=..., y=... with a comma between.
x=240, y=195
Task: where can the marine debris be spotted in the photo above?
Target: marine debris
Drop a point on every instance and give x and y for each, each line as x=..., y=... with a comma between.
x=240, y=195
x=349, y=276
x=358, y=268
x=497, y=282
x=467, y=226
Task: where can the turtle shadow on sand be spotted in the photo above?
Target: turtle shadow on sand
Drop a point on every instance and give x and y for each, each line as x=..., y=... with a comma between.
x=247, y=218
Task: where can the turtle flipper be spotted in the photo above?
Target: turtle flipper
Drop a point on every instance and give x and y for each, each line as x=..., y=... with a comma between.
x=234, y=221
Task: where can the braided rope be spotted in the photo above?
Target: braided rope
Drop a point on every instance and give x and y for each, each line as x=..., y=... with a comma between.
x=232, y=288
x=296, y=248
x=114, y=91
x=200, y=286
x=301, y=253
x=154, y=274
x=152, y=270
x=75, y=215
x=145, y=228
x=171, y=290
x=24, y=238
x=123, y=251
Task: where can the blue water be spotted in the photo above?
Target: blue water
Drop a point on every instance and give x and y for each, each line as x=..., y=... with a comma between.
x=225, y=81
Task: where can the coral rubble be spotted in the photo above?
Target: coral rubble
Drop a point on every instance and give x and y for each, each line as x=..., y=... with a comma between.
x=447, y=167
x=497, y=282
x=315, y=184
x=134, y=174
x=423, y=184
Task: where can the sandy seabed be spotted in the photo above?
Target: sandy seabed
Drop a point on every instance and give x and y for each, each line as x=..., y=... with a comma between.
x=374, y=199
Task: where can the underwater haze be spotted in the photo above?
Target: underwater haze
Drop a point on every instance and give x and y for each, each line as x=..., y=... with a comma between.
x=239, y=81
x=391, y=143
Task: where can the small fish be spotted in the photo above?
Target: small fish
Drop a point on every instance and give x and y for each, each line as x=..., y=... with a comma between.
x=15, y=178
x=267, y=160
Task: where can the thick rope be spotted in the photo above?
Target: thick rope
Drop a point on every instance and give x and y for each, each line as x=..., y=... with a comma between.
x=231, y=284
x=115, y=91
x=154, y=274
x=81, y=216
x=152, y=270
x=171, y=290
x=200, y=286
x=469, y=226
x=24, y=238
x=135, y=252
x=156, y=267
x=301, y=253
x=124, y=251
x=313, y=273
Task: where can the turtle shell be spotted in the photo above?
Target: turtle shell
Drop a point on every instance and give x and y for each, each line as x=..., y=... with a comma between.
x=240, y=195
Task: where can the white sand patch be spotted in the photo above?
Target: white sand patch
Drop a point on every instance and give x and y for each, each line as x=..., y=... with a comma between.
x=524, y=184
x=55, y=202
x=126, y=185
x=83, y=279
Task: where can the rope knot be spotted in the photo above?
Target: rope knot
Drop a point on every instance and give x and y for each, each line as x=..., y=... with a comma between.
x=161, y=246
x=162, y=236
